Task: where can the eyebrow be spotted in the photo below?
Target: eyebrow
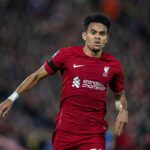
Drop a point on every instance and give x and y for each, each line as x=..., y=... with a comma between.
x=103, y=31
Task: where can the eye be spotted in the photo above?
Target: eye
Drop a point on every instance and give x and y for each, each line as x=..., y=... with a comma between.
x=93, y=32
x=102, y=33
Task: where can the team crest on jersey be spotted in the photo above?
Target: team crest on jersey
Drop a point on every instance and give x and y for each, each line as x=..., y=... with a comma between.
x=106, y=70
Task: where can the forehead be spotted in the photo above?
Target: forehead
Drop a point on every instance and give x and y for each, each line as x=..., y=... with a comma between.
x=97, y=26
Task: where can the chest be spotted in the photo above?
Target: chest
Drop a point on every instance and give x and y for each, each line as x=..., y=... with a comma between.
x=89, y=69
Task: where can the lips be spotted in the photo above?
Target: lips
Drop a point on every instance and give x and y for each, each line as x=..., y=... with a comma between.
x=97, y=43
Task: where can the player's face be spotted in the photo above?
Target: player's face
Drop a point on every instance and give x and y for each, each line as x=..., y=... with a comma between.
x=95, y=37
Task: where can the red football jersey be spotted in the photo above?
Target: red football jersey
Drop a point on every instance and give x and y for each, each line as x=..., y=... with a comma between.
x=84, y=83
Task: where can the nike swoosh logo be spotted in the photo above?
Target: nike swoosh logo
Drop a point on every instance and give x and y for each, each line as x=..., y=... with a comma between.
x=76, y=66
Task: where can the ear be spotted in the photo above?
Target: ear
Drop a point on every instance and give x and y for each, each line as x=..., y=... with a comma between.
x=84, y=36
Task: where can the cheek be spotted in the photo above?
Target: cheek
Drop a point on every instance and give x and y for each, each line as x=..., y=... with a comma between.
x=104, y=40
x=89, y=41
x=89, y=38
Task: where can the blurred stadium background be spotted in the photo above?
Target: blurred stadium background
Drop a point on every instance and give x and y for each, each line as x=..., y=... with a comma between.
x=32, y=30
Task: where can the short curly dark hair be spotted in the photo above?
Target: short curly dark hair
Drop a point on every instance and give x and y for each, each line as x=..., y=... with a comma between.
x=97, y=18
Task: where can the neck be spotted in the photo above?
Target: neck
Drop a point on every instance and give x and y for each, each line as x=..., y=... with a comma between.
x=92, y=53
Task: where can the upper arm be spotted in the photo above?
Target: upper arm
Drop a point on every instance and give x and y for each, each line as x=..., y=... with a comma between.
x=117, y=82
x=56, y=62
x=41, y=73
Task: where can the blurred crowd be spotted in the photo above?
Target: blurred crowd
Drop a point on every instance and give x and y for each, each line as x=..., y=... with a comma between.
x=32, y=30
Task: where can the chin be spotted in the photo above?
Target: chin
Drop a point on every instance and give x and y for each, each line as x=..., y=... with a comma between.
x=96, y=49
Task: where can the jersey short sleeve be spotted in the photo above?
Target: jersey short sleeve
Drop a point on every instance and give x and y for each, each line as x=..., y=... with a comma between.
x=55, y=62
x=117, y=82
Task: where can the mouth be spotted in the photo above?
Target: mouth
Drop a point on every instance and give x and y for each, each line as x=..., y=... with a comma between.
x=97, y=43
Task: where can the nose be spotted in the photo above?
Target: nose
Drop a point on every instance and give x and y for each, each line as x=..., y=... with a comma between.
x=97, y=36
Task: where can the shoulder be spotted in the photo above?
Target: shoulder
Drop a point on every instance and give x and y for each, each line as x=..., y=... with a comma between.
x=110, y=58
x=71, y=49
x=113, y=61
